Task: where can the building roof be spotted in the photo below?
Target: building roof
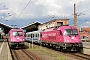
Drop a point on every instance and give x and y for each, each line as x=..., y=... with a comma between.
x=55, y=20
x=31, y=24
x=5, y=25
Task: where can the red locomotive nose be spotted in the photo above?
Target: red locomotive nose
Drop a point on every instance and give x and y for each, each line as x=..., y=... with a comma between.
x=16, y=36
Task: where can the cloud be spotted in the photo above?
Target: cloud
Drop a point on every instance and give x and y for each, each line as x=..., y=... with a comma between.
x=37, y=9
x=85, y=24
x=40, y=7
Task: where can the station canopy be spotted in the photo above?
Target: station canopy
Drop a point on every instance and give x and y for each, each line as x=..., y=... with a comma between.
x=33, y=26
x=5, y=28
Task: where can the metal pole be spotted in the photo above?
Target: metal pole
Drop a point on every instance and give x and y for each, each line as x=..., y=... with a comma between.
x=32, y=43
x=75, y=16
x=29, y=45
x=1, y=37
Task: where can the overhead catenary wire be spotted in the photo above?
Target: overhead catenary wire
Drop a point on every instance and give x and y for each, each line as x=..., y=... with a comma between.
x=24, y=8
x=21, y=11
x=9, y=14
x=13, y=13
x=81, y=11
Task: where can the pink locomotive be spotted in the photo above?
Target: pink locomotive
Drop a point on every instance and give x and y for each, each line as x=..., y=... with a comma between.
x=65, y=38
x=16, y=37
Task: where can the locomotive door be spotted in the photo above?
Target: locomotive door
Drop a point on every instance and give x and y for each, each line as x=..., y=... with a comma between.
x=60, y=36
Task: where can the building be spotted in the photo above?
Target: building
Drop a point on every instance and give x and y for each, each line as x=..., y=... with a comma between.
x=53, y=23
x=85, y=33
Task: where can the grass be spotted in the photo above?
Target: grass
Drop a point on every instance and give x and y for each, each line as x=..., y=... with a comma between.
x=61, y=57
x=43, y=50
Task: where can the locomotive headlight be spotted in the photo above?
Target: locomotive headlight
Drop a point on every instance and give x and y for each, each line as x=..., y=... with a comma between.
x=12, y=40
x=65, y=40
x=23, y=39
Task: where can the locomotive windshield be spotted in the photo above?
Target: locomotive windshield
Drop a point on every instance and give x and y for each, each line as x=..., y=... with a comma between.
x=17, y=33
x=71, y=32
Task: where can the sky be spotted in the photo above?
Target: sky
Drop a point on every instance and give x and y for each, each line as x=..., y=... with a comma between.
x=23, y=12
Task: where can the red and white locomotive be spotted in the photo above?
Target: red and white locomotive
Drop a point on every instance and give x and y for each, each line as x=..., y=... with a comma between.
x=16, y=37
x=63, y=37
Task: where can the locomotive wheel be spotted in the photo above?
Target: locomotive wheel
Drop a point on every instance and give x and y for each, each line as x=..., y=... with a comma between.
x=49, y=45
x=43, y=44
x=61, y=49
x=57, y=47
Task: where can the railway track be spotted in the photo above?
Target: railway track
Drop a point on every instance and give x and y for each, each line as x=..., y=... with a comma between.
x=76, y=55
x=79, y=56
x=24, y=54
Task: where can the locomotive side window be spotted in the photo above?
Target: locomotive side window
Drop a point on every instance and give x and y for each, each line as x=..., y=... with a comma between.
x=36, y=35
x=60, y=32
x=40, y=35
x=32, y=35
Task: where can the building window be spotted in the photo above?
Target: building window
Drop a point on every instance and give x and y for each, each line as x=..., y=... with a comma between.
x=59, y=23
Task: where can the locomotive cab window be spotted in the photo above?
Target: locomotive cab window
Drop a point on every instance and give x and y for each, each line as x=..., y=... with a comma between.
x=71, y=32
x=17, y=33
